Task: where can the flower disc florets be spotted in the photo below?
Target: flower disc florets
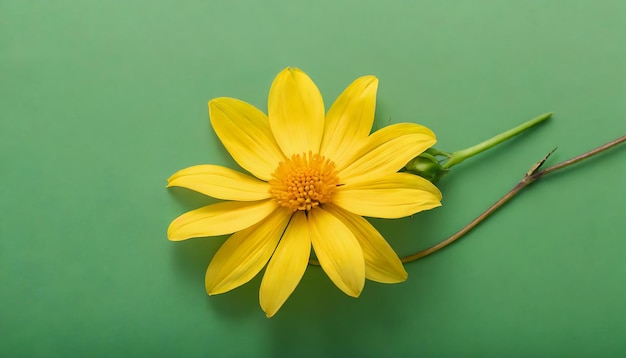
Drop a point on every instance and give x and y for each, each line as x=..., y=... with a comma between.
x=303, y=182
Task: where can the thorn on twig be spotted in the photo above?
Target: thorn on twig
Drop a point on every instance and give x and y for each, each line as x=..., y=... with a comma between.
x=538, y=165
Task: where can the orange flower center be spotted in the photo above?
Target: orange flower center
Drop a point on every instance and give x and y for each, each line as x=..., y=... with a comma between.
x=304, y=181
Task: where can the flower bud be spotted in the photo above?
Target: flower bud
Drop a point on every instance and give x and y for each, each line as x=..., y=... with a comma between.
x=426, y=166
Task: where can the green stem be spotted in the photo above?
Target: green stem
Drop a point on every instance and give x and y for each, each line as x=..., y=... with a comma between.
x=459, y=156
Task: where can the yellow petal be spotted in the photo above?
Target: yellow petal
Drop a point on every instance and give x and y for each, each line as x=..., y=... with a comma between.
x=296, y=112
x=338, y=251
x=287, y=265
x=349, y=120
x=391, y=196
x=220, y=182
x=219, y=219
x=382, y=264
x=245, y=253
x=246, y=134
x=387, y=150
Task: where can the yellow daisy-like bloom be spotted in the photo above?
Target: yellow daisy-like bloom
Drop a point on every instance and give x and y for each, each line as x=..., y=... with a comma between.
x=315, y=176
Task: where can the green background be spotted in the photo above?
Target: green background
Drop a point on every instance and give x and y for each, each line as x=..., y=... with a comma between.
x=100, y=101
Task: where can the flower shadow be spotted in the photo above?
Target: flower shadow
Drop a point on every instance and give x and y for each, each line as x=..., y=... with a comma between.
x=242, y=303
x=319, y=315
x=186, y=199
x=190, y=259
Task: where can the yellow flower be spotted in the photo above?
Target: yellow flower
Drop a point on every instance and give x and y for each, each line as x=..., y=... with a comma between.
x=315, y=176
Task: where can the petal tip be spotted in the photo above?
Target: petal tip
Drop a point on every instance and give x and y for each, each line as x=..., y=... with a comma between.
x=287, y=70
x=172, y=233
x=215, y=102
x=212, y=287
x=354, y=293
x=370, y=80
x=405, y=275
x=399, y=277
x=270, y=311
x=171, y=236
